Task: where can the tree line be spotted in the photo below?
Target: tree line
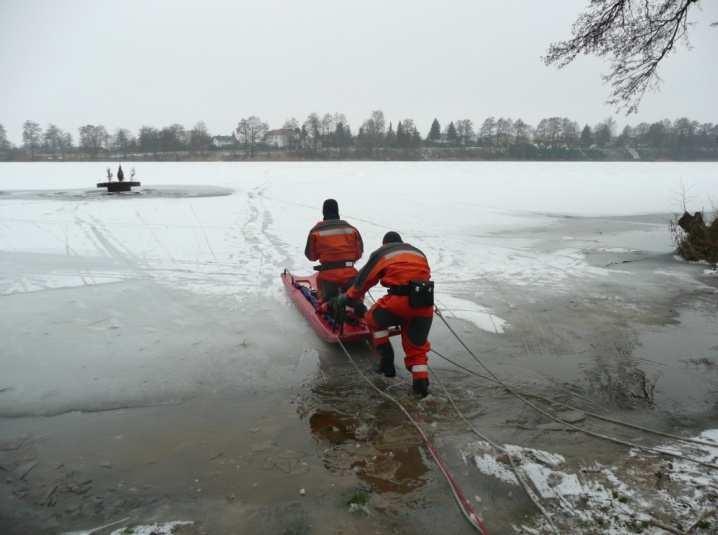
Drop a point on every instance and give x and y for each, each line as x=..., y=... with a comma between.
x=331, y=136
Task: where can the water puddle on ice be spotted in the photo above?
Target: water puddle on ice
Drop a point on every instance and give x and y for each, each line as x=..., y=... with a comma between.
x=386, y=463
x=481, y=317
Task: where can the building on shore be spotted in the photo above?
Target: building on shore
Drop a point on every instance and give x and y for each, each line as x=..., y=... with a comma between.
x=224, y=142
x=280, y=138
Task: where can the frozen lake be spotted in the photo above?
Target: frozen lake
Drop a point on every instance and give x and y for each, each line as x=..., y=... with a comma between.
x=166, y=305
x=237, y=243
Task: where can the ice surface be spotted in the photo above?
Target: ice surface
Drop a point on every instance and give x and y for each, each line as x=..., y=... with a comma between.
x=237, y=243
x=481, y=224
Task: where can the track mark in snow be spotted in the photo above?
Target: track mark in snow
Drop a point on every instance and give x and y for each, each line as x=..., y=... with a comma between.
x=204, y=232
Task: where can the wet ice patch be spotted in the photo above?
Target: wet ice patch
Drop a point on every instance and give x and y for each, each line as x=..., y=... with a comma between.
x=481, y=317
x=86, y=194
x=160, y=528
x=616, y=250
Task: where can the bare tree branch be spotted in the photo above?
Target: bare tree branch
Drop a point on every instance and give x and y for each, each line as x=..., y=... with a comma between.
x=636, y=35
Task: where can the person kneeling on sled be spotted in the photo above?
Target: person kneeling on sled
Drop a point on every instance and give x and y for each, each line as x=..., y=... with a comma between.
x=337, y=245
x=404, y=270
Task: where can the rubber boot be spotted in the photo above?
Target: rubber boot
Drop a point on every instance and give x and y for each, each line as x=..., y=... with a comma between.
x=421, y=387
x=386, y=364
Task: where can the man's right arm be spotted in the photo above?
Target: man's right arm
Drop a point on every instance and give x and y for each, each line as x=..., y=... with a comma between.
x=368, y=276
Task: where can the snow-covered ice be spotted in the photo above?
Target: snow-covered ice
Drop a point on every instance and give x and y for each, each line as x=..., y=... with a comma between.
x=458, y=213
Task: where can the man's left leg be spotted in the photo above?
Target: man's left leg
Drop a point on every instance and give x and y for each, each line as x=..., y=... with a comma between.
x=414, y=339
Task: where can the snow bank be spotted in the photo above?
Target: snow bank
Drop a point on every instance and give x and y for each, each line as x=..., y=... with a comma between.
x=618, y=498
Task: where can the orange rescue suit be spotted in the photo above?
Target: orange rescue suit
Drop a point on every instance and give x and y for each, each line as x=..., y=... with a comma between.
x=395, y=265
x=337, y=245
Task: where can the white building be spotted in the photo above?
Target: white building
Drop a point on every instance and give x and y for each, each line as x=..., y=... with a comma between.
x=222, y=142
x=280, y=138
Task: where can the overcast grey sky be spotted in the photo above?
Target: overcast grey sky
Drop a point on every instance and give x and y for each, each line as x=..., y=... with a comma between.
x=135, y=62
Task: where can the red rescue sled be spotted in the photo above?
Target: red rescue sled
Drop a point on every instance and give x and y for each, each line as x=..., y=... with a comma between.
x=303, y=291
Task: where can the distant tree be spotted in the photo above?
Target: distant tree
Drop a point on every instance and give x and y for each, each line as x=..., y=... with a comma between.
x=390, y=139
x=373, y=131
x=250, y=132
x=603, y=133
x=199, y=138
x=4, y=142
x=586, y=136
x=465, y=131
x=65, y=143
x=312, y=132
x=410, y=136
x=657, y=135
x=640, y=131
x=93, y=138
x=549, y=131
x=327, y=127
x=434, y=132
x=452, y=135
x=521, y=131
x=487, y=131
x=704, y=137
x=120, y=141
x=636, y=35
x=569, y=132
x=51, y=139
x=31, y=137
x=626, y=136
x=148, y=139
x=173, y=138
x=291, y=124
x=56, y=142
x=377, y=119
x=401, y=137
x=504, y=131
x=342, y=136
x=684, y=131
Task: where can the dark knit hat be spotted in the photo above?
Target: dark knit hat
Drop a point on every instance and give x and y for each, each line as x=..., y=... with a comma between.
x=391, y=237
x=330, y=209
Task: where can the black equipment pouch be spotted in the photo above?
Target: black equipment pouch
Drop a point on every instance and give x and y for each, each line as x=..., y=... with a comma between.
x=421, y=294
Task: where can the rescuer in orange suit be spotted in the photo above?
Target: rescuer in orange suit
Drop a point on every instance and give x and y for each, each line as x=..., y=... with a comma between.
x=337, y=245
x=404, y=270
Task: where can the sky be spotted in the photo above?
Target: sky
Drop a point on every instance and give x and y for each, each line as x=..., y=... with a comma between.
x=138, y=62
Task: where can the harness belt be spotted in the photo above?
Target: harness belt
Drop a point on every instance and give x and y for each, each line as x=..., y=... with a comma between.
x=334, y=265
x=399, y=290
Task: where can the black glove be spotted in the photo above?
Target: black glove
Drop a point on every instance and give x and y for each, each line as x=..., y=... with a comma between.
x=338, y=306
x=359, y=308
